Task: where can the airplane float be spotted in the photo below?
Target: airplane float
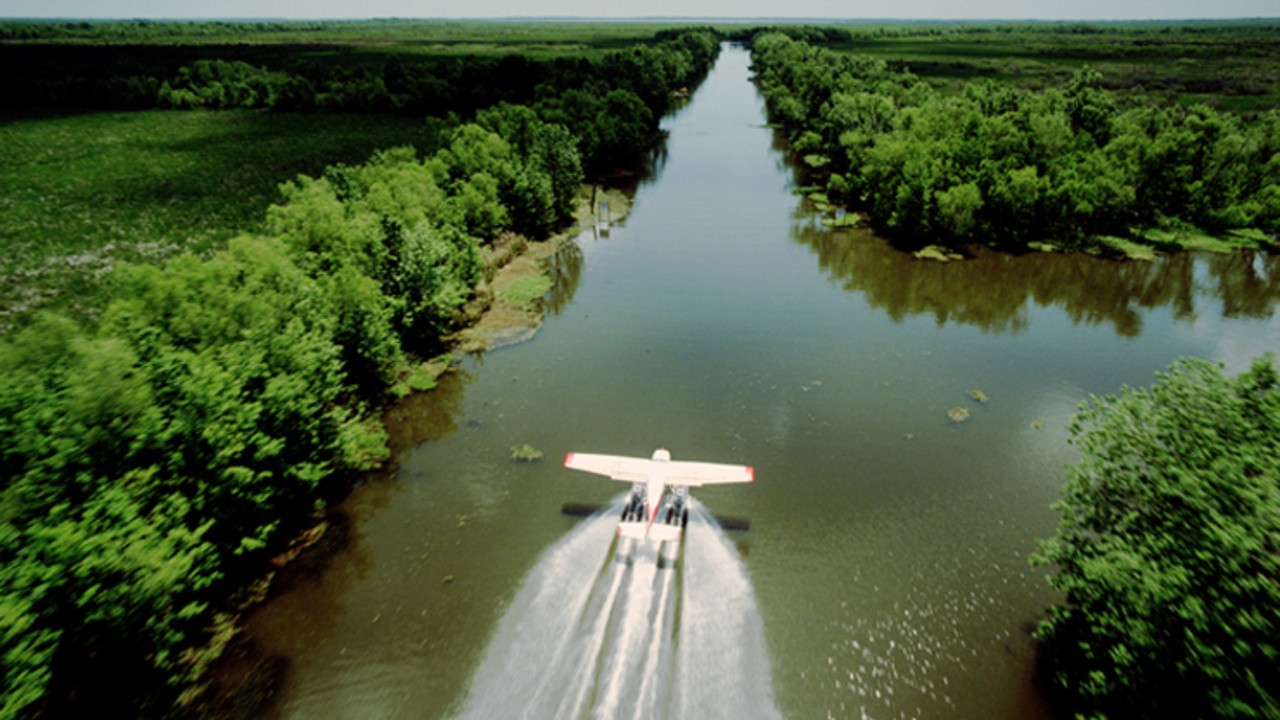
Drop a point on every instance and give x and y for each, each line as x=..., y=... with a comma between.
x=657, y=508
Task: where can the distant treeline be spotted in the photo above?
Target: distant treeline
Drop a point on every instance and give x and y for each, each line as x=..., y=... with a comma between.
x=150, y=465
x=933, y=28
x=842, y=33
x=1001, y=165
x=608, y=102
x=151, y=31
x=142, y=31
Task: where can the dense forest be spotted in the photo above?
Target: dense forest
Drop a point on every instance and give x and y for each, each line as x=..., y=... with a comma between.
x=156, y=459
x=1001, y=165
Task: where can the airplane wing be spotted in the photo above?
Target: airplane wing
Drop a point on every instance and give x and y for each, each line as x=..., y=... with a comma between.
x=624, y=469
x=631, y=469
x=699, y=473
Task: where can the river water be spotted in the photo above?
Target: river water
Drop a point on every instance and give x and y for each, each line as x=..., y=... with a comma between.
x=885, y=570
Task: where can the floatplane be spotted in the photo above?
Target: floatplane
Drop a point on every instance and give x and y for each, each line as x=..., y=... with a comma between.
x=658, y=506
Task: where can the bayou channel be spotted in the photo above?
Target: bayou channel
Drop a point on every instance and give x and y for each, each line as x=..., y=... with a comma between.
x=885, y=570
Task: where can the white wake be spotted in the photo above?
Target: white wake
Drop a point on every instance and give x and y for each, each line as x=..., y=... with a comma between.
x=615, y=628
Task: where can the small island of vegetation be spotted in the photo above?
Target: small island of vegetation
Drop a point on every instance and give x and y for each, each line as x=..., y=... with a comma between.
x=985, y=160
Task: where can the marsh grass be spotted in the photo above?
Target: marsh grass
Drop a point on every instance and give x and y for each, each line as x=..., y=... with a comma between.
x=525, y=291
x=420, y=377
x=1233, y=66
x=1194, y=239
x=377, y=37
x=80, y=194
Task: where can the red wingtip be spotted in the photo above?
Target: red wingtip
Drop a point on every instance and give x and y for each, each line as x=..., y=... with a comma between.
x=751, y=474
x=568, y=458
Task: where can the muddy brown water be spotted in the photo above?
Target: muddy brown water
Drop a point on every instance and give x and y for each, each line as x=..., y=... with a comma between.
x=884, y=574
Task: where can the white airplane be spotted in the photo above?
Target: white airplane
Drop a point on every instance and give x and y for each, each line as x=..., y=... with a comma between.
x=651, y=479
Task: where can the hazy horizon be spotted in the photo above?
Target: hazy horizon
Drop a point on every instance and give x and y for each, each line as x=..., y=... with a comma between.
x=708, y=10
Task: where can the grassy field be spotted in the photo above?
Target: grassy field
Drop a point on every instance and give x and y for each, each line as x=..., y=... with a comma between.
x=1233, y=66
x=433, y=38
x=83, y=189
x=81, y=193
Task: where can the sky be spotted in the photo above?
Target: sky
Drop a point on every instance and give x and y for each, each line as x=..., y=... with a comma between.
x=808, y=9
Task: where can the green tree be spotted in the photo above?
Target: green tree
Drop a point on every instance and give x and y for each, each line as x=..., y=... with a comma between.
x=557, y=152
x=623, y=128
x=958, y=208
x=394, y=249
x=240, y=353
x=1167, y=550
x=1089, y=106
x=1016, y=196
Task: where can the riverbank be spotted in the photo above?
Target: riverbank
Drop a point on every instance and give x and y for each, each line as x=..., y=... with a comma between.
x=507, y=308
x=236, y=679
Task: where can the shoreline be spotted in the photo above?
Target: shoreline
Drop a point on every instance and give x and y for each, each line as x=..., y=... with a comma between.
x=495, y=318
x=508, y=307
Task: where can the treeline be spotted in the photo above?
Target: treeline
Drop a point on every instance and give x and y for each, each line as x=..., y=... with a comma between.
x=1166, y=552
x=1004, y=166
x=1112, y=29
x=804, y=33
x=150, y=465
x=1143, y=32
x=607, y=102
x=142, y=31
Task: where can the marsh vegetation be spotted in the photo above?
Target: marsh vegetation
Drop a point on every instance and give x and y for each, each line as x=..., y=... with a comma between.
x=998, y=162
x=221, y=375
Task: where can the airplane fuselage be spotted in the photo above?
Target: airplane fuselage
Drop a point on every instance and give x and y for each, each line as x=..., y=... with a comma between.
x=657, y=506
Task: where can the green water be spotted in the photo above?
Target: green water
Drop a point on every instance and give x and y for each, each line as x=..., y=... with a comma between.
x=887, y=548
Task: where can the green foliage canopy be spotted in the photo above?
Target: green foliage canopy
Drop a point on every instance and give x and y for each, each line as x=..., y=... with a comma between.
x=151, y=463
x=1168, y=551
x=1007, y=166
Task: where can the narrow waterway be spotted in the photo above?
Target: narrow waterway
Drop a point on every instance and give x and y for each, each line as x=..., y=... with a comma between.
x=885, y=571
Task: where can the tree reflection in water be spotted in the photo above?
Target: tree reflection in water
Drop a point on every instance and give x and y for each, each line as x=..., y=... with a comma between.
x=990, y=289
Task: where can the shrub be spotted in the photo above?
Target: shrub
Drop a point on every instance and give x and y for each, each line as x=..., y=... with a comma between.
x=1168, y=551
